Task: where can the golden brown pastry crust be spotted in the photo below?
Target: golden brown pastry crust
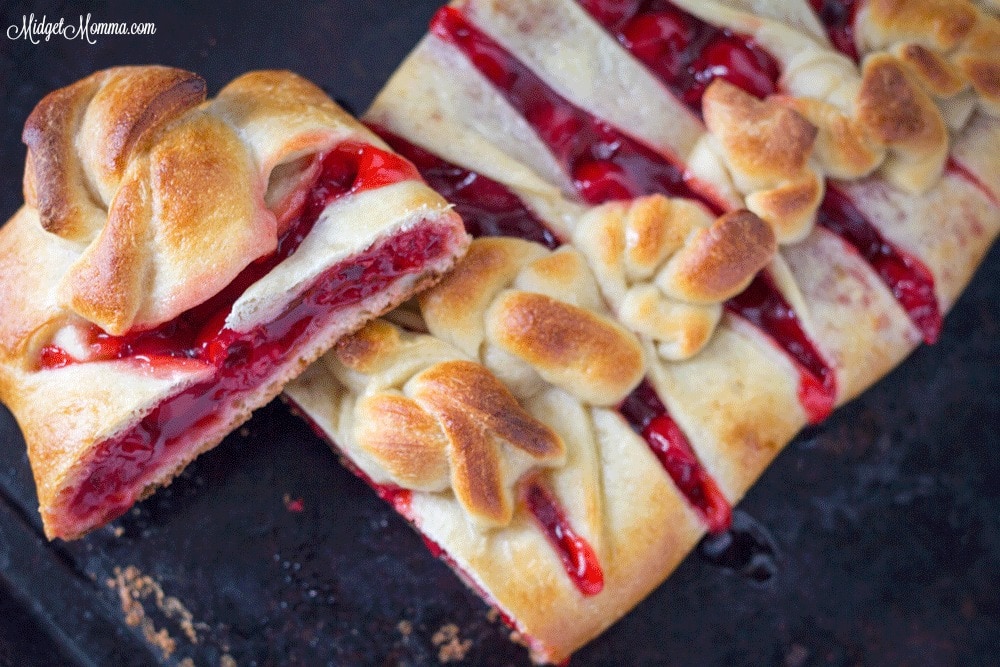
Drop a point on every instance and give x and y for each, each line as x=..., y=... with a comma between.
x=665, y=266
x=899, y=114
x=768, y=148
x=538, y=310
x=164, y=192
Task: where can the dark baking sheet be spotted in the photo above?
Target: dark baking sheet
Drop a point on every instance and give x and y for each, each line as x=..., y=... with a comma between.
x=873, y=539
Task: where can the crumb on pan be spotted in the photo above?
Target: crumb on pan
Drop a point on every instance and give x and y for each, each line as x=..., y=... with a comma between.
x=451, y=647
x=133, y=589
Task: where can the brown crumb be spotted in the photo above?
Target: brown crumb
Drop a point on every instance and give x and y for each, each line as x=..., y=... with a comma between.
x=451, y=648
x=405, y=628
x=118, y=531
x=160, y=638
x=186, y=662
x=493, y=615
x=227, y=661
x=133, y=587
x=244, y=432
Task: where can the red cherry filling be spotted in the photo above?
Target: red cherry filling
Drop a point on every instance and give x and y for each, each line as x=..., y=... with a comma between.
x=763, y=305
x=910, y=280
x=737, y=60
x=200, y=333
x=659, y=39
x=577, y=555
x=837, y=16
x=122, y=464
x=647, y=415
x=487, y=207
x=243, y=362
x=685, y=52
x=603, y=162
x=610, y=12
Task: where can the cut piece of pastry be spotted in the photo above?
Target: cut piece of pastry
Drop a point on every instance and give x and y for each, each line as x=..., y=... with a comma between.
x=629, y=130
x=178, y=260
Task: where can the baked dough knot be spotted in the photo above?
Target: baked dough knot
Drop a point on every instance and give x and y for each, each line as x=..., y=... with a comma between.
x=535, y=318
x=432, y=420
x=952, y=47
x=168, y=197
x=768, y=149
x=930, y=65
x=667, y=265
x=892, y=124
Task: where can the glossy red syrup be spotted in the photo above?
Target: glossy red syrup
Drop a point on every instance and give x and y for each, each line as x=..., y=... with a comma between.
x=685, y=52
x=199, y=332
x=837, y=16
x=120, y=462
x=763, y=306
x=487, y=207
x=396, y=496
x=243, y=361
x=603, y=162
x=647, y=415
x=909, y=279
x=577, y=555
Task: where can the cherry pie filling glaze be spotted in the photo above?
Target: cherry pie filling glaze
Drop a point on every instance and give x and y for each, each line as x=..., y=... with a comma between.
x=685, y=52
x=762, y=305
x=242, y=361
x=603, y=162
x=487, y=207
x=578, y=557
x=647, y=416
